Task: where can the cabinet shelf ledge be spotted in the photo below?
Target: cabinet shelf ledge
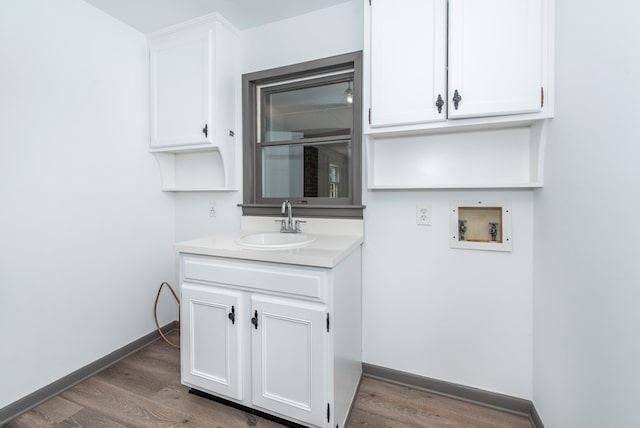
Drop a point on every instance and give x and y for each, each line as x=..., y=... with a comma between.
x=456, y=125
x=196, y=171
x=476, y=186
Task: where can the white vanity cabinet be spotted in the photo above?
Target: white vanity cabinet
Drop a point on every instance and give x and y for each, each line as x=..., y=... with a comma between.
x=282, y=339
x=193, y=77
x=433, y=60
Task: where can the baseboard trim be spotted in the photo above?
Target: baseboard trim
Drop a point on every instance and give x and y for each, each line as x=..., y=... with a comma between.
x=43, y=394
x=534, y=418
x=505, y=403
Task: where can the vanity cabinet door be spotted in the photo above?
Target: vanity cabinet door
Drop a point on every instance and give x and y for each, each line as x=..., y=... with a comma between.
x=289, y=358
x=210, y=339
x=408, y=62
x=495, y=57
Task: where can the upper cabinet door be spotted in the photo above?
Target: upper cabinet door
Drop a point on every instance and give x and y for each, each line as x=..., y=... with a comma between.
x=494, y=57
x=408, y=62
x=181, y=85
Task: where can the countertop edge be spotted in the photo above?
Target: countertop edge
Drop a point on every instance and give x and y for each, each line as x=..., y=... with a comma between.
x=222, y=246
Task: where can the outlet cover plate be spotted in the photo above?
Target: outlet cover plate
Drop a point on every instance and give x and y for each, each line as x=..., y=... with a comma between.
x=423, y=215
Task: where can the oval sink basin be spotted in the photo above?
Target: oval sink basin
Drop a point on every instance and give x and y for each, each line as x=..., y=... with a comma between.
x=275, y=240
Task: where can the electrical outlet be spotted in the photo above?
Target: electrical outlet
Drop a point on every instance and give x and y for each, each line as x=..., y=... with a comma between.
x=423, y=215
x=212, y=210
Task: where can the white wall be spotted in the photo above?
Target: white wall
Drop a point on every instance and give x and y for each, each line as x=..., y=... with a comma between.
x=586, y=278
x=326, y=32
x=462, y=316
x=457, y=315
x=85, y=232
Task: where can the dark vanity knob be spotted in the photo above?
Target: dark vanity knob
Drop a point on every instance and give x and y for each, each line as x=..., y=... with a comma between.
x=254, y=320
x=232, y=315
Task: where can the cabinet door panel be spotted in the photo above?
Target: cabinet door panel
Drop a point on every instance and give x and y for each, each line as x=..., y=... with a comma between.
x=495, y=57
x=181, y=77
x=408, y=61
x=289, y=358
x=210, y=339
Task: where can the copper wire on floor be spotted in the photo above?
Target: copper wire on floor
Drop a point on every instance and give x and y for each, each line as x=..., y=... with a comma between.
x=155, y=312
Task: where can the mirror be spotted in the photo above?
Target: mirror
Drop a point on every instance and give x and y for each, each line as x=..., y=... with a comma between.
x=306, y=170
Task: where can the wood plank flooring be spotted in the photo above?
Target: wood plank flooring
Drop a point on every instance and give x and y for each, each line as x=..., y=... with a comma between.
x=144, y=390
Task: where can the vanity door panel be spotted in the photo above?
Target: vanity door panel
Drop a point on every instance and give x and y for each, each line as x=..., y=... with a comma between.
x=210, y=339
x=289, y=358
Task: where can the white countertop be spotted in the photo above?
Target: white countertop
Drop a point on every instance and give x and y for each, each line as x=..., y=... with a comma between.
x=335, y=240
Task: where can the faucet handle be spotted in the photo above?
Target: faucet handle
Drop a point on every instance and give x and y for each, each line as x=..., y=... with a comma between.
x=296, y=224
x=283, y=224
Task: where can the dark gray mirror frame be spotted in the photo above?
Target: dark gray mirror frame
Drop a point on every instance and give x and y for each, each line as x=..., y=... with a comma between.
x=312, y=207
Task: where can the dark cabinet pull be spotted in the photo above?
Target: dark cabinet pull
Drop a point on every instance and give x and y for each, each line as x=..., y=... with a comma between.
x=205, y=130
x=254, y=320
x=232, y=315
x=456, y=99
x=439, y=103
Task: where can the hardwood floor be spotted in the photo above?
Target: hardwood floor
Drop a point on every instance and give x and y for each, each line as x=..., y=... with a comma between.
x=144, y=390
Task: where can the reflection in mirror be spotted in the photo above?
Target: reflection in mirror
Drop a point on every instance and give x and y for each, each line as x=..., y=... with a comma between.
x=309, y=170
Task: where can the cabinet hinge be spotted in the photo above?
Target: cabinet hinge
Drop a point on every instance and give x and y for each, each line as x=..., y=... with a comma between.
x=327, y=322
x=542, y=97
x=328, y=412
x=369, y=115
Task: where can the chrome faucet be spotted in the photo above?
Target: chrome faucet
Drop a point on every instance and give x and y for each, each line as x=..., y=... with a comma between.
x=288, y=225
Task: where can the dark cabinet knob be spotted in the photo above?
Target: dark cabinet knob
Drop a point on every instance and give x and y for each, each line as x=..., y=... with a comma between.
x=232, y=315
x=439, y=103
x=456, y=99
x=254, y=320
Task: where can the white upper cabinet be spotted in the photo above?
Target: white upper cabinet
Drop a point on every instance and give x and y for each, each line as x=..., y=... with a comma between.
x=408, y=62
x=494, y=57
x=181, y=83
x=436, y=60
x=459, y=93
x=193, y=75
x=193, y=82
